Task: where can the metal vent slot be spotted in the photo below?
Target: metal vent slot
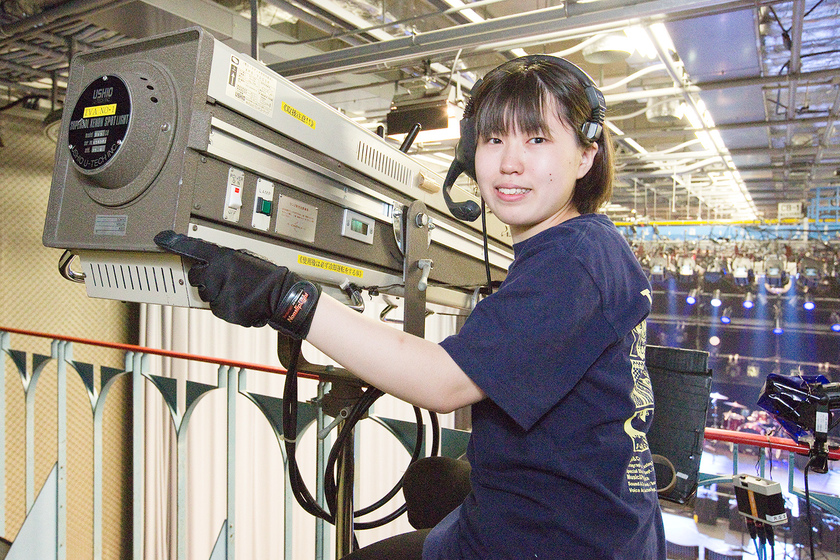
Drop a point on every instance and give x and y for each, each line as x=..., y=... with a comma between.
x=374, y=158
x=133, y=278
x=131, y=281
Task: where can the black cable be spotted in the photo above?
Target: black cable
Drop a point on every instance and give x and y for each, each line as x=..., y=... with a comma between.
x=808, y=507
x=486, y=248
x=290, y=409
x=771, y=540
x=362, y=405
x=418, y=447
x=342, y=445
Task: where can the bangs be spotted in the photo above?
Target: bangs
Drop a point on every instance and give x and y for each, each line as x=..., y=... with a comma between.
x=519, y=107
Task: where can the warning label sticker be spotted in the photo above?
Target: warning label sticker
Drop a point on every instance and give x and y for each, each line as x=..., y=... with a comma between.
x=330, y=266
x=250, y=85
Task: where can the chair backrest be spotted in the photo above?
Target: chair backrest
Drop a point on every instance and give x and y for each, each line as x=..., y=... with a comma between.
x=674, y=551
x=712, y=555
x=681, y=385
x=433, y=487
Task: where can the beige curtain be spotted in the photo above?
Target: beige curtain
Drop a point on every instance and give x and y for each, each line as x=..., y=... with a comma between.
x=259, y=461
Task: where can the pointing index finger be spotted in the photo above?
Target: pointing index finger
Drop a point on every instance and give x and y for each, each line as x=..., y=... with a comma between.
x=180, y=244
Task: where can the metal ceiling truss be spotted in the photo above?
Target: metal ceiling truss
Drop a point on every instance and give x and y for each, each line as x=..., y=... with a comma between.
x=357, y=54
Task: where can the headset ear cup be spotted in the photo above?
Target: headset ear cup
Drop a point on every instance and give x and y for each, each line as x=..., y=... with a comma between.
x=464, y=162
x=465, y=150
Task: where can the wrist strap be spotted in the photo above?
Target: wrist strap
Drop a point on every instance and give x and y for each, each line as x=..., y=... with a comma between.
x=294, y=313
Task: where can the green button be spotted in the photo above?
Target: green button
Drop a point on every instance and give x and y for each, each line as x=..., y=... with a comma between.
x=263, y=206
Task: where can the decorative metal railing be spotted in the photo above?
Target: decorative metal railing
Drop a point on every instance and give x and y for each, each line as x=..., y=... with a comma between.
x=43, y=534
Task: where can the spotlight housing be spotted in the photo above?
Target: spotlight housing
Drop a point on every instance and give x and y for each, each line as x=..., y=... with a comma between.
x=808, y=304
x=742, y=271
x=726, y=316
x=835, y=322
x=809, y=271
x=716, y=301
x=774, y=271
x=658, y=266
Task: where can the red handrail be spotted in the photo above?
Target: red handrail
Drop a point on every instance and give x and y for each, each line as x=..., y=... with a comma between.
x=713, y=434
x=155, y=351
x=770, y=442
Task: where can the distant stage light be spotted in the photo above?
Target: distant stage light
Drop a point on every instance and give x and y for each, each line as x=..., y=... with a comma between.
x=691, y=298
x=716, y=301
x=726, y=316
x=778, y=327
x=749, y=301
x=835, y=322
x=808, y=304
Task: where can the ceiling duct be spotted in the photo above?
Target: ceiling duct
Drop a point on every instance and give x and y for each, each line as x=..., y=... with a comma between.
x=668, y=111
x=614, y=47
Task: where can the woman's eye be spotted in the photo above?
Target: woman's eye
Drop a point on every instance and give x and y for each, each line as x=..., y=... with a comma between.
x=538, y=140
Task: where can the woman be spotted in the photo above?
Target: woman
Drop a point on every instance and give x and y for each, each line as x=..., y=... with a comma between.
x=552, y=363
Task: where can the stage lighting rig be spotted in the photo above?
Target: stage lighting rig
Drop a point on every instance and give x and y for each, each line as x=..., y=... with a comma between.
x=774, y=271
x=805, y=406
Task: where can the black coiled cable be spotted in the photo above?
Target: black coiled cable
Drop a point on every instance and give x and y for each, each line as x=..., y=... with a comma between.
x=343, y=444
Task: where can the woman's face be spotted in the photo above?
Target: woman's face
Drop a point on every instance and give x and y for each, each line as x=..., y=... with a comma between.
x=527, y=180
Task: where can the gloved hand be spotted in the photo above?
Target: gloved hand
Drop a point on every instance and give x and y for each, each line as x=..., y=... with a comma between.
x=244, y=289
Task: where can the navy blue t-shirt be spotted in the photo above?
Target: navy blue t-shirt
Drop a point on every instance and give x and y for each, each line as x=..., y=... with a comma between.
x=560, y=463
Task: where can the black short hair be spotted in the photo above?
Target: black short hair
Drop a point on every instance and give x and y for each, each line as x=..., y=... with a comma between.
x=515, y=96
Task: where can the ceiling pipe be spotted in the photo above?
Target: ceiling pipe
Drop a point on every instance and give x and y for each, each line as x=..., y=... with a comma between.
x=71, y=9
x=545, y=21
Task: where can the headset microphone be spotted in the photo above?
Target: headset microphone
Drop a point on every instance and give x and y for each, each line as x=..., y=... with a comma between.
x=464, y=162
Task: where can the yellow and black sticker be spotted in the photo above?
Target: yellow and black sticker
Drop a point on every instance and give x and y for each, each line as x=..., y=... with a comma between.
x=100, y=111
x=289, y=110
x=330, y=266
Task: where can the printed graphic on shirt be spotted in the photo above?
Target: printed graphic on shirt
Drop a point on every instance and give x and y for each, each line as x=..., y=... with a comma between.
x=640, y=472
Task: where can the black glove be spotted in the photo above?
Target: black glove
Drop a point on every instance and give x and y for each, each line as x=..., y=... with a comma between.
x=244, y=289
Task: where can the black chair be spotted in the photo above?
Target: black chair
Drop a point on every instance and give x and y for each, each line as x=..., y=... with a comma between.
x=712, y=555
x=433, y=487
x=674, y=551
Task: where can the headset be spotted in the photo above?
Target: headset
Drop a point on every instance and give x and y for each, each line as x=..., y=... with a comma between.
x=464, y=161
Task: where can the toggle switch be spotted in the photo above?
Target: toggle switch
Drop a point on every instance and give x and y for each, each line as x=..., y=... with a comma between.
x=235, y=198
x=263, y=206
